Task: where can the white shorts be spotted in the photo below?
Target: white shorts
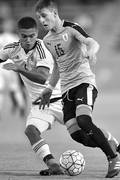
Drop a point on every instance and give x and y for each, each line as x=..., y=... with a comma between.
x=43, y=119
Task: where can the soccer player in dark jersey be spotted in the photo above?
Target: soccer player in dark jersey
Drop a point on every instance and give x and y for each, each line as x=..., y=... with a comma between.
x=73, y=52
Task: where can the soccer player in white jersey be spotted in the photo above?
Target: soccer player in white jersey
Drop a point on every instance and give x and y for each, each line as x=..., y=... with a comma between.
x=33, y=61
x=78, y=85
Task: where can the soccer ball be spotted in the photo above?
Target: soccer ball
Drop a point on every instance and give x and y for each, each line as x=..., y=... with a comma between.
x=72, y=162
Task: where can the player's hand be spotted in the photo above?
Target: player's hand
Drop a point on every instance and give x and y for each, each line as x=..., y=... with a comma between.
x=10, y=66
x=92, y=57
x=44, y=98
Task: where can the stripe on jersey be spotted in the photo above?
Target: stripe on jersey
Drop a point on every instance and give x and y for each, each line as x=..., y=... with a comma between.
x=11, y=45
x=51, y=100
x=76, y=27
x=41, y=51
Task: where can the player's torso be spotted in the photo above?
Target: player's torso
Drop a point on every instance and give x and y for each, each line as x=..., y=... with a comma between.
x=31, y=60
x=67, y=50
x=64, y=48
x=21, y=58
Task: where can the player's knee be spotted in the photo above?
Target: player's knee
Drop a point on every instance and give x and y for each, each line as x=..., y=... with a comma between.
x=79, y=137
x=85, y=122
x=76, y=133
x=32, y=131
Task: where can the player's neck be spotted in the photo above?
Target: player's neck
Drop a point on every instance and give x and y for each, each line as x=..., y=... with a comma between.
x=58, y=26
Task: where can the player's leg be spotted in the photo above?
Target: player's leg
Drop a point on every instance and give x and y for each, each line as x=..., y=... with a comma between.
x=37, y=123
x=77, y=134
x=85, y=98
x=75, y=131
x=80, y=135
x=111, y=140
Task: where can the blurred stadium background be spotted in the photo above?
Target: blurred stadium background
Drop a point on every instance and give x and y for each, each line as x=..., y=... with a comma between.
x=101, y=20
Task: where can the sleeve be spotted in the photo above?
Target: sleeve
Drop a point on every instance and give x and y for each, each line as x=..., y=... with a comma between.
x=5, y=53
x=78, y=35
x=77, y=27
x=48, y=59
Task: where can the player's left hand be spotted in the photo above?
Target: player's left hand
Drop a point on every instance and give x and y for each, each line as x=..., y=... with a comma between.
x=44, y=98
x=10, y=66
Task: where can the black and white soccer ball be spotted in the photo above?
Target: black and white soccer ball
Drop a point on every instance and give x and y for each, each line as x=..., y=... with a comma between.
x=72, y=162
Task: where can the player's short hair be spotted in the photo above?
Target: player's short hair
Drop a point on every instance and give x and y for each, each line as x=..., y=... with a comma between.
x=45, y=4
x=26, y=23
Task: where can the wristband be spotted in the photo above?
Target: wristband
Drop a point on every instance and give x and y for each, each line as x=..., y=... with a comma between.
x=50, y=87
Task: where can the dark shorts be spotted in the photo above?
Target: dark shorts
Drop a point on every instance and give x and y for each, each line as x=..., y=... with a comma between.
x=84, y=94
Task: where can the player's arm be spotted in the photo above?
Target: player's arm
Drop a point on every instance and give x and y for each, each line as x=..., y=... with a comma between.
x=38, y=75
x=91, y=44
x=44, y=98
x=55, y=70
x=54, y=76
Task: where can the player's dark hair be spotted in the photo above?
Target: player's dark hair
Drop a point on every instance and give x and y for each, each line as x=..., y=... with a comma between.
x=45, y=4
x=26, y=23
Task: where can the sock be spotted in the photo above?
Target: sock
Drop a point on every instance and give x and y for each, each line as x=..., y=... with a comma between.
x=85, y=122
x=42, y=149
x=81, y=137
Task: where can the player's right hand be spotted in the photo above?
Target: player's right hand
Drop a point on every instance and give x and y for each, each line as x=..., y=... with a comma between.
x=44, y=98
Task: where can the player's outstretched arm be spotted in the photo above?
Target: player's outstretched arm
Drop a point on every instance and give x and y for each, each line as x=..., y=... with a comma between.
x=44, y=98
x=39, y=75
x=91, y=45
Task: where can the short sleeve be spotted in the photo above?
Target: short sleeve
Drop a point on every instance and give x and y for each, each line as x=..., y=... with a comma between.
x=48, y=60
x=77, y=35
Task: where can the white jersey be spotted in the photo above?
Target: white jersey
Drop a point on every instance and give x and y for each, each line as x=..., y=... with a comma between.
x=39, y=56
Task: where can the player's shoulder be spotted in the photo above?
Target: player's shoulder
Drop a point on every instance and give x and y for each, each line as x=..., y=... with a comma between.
x=75, y=26
x=47, y=36
x=12, y=45
x=40, y=44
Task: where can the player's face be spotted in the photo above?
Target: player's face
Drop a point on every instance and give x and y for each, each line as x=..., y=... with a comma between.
x=28, y=38
x=46, y=17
